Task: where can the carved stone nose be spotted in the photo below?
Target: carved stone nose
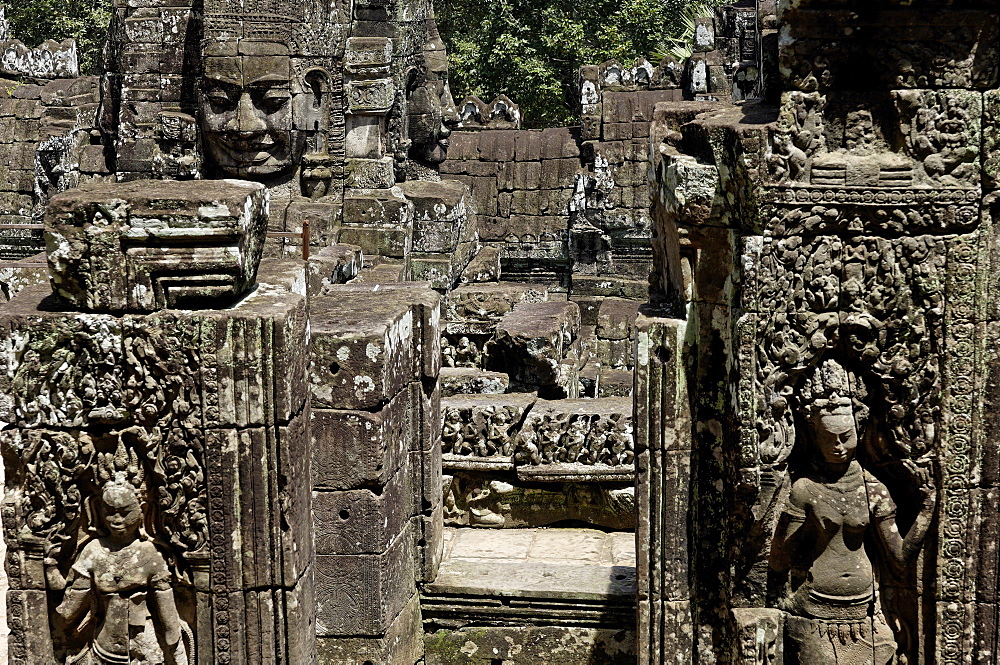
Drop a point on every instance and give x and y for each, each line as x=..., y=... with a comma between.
x=248, y=117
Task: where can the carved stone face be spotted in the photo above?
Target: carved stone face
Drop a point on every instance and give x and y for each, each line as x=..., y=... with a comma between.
x=431, y=108
x=836, y=437
x=246, y=115
x=122, y=513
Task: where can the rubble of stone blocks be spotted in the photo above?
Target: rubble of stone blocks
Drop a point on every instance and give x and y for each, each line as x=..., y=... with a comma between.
x=539, y=346
x=507, y=337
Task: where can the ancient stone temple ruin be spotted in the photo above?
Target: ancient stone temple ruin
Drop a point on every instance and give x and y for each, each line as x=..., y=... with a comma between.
x=303, y=362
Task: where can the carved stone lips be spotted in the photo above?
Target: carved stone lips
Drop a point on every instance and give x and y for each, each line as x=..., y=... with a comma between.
x=252, y=149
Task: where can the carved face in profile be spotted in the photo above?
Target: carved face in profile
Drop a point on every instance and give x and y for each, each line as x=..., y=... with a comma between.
x=836, y=436
x=430, y=106
x=246, y=115
x=121, y=511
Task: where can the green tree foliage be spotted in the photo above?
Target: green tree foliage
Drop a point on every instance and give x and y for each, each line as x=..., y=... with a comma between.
x=531, y=50
x=86, y=21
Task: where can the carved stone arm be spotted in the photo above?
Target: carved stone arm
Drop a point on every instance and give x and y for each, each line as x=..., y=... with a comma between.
x=903, y=550
x=77, y=598
x=169, y=619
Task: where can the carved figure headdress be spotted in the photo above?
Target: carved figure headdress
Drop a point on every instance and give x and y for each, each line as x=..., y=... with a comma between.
x=831, y=390
x=121, y=469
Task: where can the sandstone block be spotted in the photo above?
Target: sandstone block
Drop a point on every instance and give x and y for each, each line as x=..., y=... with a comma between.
x=477, y=308
x=484, y=266
x=531, y=645
x=616, y=318
x=469, y=380
x=429, y=531
x=360, y=448
x=402, y=643
x=362, y=349
x=228, y=350
x=439, y=213
x=362, y=594
x=333, y=265
x=362, y=521
x=478, y=430
x=533, y=338
x=577, y=439
x=150, y=245
x=615, y=353
x=426, y=305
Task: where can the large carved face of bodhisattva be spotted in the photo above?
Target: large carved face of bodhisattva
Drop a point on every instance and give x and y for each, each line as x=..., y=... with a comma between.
x=431, y=108
x=246, y=115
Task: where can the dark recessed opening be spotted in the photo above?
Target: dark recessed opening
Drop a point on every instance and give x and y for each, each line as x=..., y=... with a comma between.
x=662, y=354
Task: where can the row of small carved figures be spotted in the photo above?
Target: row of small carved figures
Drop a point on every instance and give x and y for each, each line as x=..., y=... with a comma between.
x=465, y=353
x=579, y=439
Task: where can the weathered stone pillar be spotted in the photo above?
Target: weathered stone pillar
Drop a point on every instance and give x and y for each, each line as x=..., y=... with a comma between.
x=369, y=93
x=377, y=467
x=663, y=476
x=444, y=236
x=157, y=457
x=834, y=258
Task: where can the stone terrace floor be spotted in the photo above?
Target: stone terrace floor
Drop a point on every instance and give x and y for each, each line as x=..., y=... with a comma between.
x=532, y=576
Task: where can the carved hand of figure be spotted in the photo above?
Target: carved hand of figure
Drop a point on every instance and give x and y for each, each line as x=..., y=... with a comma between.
x=176, y=654
x=905, y=550
x=53, y=576
x=922, y=473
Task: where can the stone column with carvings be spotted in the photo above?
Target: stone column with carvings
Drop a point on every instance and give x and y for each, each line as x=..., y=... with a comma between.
x=156, y=436
x=370, y=94
x=376, y=217
x=833, y=258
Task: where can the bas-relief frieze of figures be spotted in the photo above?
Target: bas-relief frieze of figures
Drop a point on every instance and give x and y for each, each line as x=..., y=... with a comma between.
x=465, y=352
x=898, y=140
x=496, y=431
x=482, y=433
x=581, y=439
